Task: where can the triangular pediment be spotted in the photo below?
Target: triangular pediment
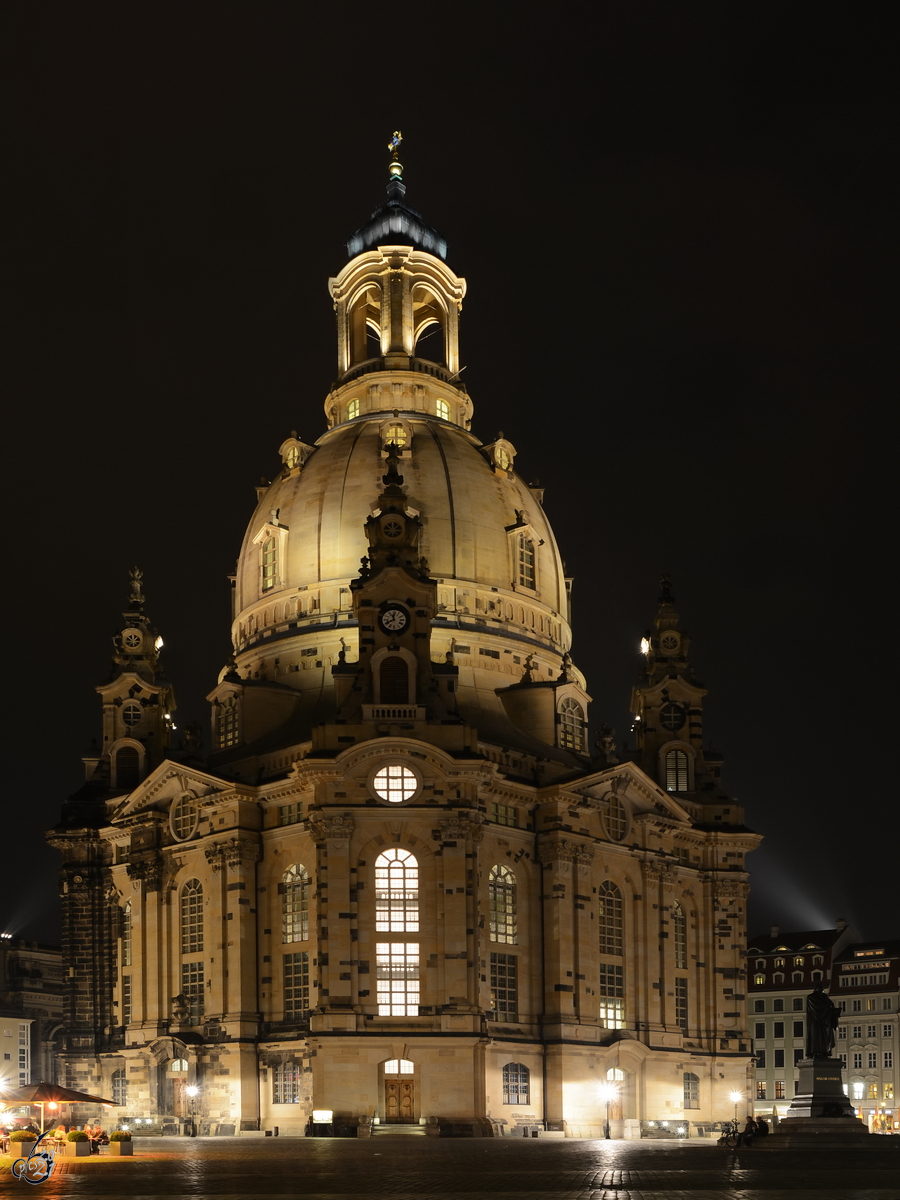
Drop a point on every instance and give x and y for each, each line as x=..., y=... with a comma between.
x=629, y=782
x=169, y=781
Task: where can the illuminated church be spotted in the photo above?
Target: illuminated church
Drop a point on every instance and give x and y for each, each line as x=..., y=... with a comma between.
x=402, y=888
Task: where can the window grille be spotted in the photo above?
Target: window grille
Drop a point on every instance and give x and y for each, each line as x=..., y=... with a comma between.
x=397, y=970
x=295, y=904
x=286, y=1083
x=269, y=564
x=504, y=987
x=353, y=410
x=611, y=920
x=676, y=771
x=516, y=1084
x=681, y=1003
x=399, y=1066
x=126, y=999
x=615, y=819
x=525, y=559
x=443, y=410
x=691, y=1090
x=611, y=993
x=502, y=905
x=192, y=986
x=760, y=1090
x=779, y=1089
x=296, y=984
x=680, y=929
x=396, y=892
x=126, y=935
x=120, y=1088
x=290, y=814
x=192, y=917
x=227, y=722
x=571, y=724
x=184, y=817
x=505, y=814
x=395, y=783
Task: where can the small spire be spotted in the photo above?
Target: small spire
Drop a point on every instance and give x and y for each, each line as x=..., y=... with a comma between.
x=665, y=590
x=136, y=599
x=395, y=167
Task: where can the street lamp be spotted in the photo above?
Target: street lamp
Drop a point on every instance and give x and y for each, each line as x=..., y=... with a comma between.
x=608, y=1093
x=192, y=1092
x=736, y=1098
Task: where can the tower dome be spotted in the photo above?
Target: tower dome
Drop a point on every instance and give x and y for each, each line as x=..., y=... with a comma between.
x=500, y=606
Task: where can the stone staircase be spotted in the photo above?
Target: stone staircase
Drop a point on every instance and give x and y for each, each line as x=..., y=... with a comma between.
x=398, y=1131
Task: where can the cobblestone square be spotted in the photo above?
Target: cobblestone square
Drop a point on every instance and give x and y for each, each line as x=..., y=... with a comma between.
x=404, y=1168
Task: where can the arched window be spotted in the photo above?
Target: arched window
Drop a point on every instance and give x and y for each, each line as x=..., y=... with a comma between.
x=396, y=434
x=286, y=1083
x=192, y=917
x=676, y=771
x=615, y=818
x=227, y=722
x=442, y=408
x=796, y=977
x=516, y=1084
x=394, y=680
x=502, y=904
x=128, y=768
x=680, y=939
x=396, y=892
x=759, y=980
x=353, y=410
x=571, y=724
x=120, y=1088
x=178, y=1066
x=798, y=961
x=525, y=561
x=691, y=1090
x=269, y=561
x=126, y=935
x=295, y=904
x=611, y=921
x=399, y=1066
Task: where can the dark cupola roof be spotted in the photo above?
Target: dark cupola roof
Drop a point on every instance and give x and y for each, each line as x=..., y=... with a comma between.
x=395, y=221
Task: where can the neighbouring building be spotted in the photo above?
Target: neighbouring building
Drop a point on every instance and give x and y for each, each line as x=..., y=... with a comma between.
x=865, y=985
x=402, y=884
x=31, y=1007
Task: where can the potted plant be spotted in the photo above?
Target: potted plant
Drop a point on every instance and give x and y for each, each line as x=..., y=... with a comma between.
x=120, y=1142
x=77, y=1144
x=21, y=1142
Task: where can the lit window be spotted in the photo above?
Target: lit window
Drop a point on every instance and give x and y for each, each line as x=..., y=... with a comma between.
x=502, y=904
x=397, y=970
x=873, y=1091
x=609, y=911
x=611, y=992
x=395, y=783
x=691, y=1090
x=178, y=1066
x=192, y=986
x=798, y=961
x=779, y=1089
x=442, y=408
x=119, y=1088
x=131, y=715
x=126, y=935
x=571, y=724
x=503, y=459
x=399, y=1066
x=269, y=560
x=292, y=457
x=525, y=561
x=396, y=892
x=889, y=1092
x=184, y=816
x=227, y=722
x=126, y=999
x=760, y=1089
x=290, y=814
x=353, y=410
x=515, y=1084
x=295, y=904
x=504, y=987
x=759, y=980
x=504, y=814
x=192, y=917
x=676, y=771
x=396, y=435
x=286, y=1083
x=680, y=929
x=296, y=984
x=858, y=1089
x=681, y=1003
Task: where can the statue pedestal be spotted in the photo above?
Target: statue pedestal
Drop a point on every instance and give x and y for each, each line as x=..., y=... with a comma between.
x=820, y=1114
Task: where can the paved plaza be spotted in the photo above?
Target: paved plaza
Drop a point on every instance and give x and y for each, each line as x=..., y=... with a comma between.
x=508, y=1169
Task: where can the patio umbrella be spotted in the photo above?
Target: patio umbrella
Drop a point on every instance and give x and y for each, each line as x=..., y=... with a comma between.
x=51, y=1093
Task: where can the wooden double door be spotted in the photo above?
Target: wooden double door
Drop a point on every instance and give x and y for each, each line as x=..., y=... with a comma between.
x=399, y=1102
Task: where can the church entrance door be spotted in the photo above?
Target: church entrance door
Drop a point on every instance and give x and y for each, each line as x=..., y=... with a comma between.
x=399, y=1102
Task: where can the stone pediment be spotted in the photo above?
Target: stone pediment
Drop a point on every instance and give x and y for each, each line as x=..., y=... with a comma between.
x=629, y=782
x=164, y=785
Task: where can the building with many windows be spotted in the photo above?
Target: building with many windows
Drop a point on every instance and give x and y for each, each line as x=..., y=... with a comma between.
x=402, y=885
x=865, y=985
x=31, y=1008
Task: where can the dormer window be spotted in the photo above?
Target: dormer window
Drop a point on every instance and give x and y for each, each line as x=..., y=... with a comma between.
x=525, y=561
x=571, y=724
x=269, y=558
x=227, y=722
x=396, y=435
x=292, y=456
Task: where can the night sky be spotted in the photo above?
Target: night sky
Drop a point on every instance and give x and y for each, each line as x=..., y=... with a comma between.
x=678, y=227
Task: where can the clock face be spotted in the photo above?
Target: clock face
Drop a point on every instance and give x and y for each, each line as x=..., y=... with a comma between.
x=671, y=717
x=394, y=620
x=132, y=639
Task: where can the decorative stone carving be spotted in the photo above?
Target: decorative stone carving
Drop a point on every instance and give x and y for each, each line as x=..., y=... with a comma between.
x=147, y=871
x=730, y=889
x=236, y=853
x=565, y=851
x=181, y=1007
x=328, y=828
x=462, y=829
x=661, y=873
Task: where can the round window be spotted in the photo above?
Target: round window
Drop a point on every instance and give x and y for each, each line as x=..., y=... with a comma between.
x=615, y=819
x=132, y=639
x=131, y=715
x=671, y=717
x=395, y=783
x=184, y=817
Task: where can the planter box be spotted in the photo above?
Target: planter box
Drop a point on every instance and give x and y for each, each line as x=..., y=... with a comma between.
x=121, y=1148
x=77, y=1149
x=21, y=1149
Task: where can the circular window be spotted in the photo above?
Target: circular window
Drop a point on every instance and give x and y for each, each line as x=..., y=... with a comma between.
x=132, y=639
x=392, y=529
x=615, y=819
x=671, y=717
x=131, y=715
x=670, y=642
x=395, y=783
x=184, y=817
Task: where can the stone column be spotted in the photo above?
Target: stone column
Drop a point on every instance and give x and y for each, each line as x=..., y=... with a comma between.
x=333, y=936
x=458, y=837
x=558, y=858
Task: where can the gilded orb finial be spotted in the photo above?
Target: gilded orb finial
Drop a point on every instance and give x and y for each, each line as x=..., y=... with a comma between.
x=395, y=168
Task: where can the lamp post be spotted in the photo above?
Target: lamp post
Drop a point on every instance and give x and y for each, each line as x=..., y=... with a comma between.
x=736, y=1098
x=192, y=1092
x=608, y=1093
